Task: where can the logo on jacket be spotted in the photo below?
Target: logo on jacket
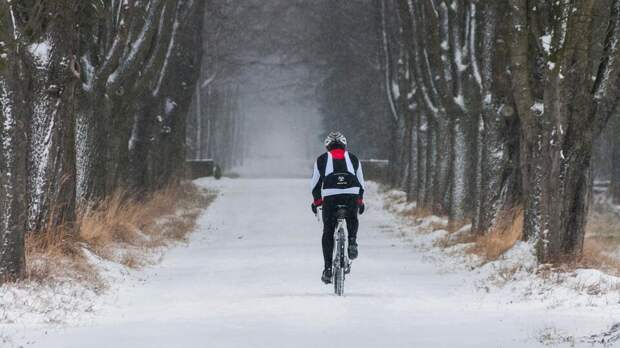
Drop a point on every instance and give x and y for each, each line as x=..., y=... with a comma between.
x=341, y=178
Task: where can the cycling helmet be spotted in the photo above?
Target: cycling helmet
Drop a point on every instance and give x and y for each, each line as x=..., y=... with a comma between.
x=335, y=138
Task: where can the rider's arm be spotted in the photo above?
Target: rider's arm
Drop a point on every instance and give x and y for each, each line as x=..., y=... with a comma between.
x=360, y=178
x=317, y=183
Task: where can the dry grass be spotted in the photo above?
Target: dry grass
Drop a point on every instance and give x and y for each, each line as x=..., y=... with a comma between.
x=453, y=239
x=604, y=224
x=420, y=213
x=123, y=230
x=596, y=254
x=455, y=226
x=491, y=245
x=56, y=254
x=602, y=241
x=507, y=232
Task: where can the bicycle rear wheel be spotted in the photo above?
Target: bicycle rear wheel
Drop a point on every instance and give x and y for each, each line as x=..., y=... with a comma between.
x=339, y=264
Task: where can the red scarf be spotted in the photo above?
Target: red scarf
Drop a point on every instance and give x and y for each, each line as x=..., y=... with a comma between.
x=337, y=154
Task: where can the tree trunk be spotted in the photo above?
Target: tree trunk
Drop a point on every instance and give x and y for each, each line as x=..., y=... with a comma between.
x=442, y=154
x=614, y=187
x=91, y=134
x=51, y=158
x=458, y=173
x=413, y=159
x=13, y=173
x=423, y=178
x=14, y=121
x=498, y=189
x=565, y=202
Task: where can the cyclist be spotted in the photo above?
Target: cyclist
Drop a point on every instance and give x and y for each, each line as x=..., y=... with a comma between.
x=337, y=180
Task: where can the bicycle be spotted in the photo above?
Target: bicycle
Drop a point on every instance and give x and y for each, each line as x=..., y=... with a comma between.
x=341, y=265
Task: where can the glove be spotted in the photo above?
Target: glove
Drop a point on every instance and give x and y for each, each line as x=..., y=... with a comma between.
x=315, y=205
x=361, y=207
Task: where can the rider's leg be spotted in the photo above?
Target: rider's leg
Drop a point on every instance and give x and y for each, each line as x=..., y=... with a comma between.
x=352, y=227
x=329, y=225
x=352, y=221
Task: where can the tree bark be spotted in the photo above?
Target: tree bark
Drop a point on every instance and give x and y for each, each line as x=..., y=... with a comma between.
x=13, y=202
x=51, y=157
x=14, y=121
x=614, y=186
x=498, y=189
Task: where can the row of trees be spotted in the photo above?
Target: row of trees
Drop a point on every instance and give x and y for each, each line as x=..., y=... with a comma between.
x=498, y=104
x=607, y=160
x=93, y=98
x=350, y=94
x=321, y=55
x=215, y=128
x=233, y=41
x=216, y=120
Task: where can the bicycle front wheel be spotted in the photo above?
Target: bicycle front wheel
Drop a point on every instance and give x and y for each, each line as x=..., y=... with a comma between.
x=339, y=280
x=340, y=265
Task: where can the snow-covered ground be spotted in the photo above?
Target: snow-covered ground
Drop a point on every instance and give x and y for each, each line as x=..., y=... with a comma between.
x=250, y=278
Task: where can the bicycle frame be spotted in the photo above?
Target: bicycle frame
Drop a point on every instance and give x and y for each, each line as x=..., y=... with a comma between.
x=340, y=263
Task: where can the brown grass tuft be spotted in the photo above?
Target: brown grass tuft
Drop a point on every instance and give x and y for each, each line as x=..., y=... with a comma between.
x=604, y=224
x=452, y=239
x=596, y=254
x=507, y=232
x=135, y=226
x=122, y=229
x=602, y=240
x=454, y=226
x=56, y=254
x=421, y=213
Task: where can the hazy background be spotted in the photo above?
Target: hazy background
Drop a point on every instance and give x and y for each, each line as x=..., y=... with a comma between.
x=278, y=75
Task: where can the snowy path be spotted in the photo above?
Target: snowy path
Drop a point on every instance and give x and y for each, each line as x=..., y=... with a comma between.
x=250, y=278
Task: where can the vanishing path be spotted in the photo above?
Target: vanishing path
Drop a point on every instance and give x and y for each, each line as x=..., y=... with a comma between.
x=250, y=278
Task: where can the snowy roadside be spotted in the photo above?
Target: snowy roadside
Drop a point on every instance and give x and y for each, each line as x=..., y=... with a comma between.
x=514, y=278
x=405, y=291
x=69, y=297
x=57, y=302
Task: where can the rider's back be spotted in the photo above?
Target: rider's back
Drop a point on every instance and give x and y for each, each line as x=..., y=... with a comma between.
x=338, y=172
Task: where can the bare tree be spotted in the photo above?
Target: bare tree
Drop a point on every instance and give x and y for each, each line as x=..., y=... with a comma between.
x=77, y=79
x=501, y=91
x=15, y=122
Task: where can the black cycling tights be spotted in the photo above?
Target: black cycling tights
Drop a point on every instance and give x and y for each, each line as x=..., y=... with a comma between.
x=330, y=220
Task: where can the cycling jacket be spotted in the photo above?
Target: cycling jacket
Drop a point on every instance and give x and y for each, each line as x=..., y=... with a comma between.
x=335, y=173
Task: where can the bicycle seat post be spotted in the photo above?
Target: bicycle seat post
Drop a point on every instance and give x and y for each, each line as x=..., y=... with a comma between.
x=341, y=212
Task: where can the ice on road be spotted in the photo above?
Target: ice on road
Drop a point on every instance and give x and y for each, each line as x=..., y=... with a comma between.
x=250, y=277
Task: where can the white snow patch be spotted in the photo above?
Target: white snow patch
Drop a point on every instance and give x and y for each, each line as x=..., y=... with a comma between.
x=458, y=59
x=545, y=40
x=13, y=21
x=460, y=101
x=538, y=107
x=29, y=310
x=488, y=99
x=515, y=278
x=171, y=46
x=41, y=52
x=396, y=90
x=170, y=106
x=230, y=285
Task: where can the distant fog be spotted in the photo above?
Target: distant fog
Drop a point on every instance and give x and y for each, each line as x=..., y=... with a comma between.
x=280, y=141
